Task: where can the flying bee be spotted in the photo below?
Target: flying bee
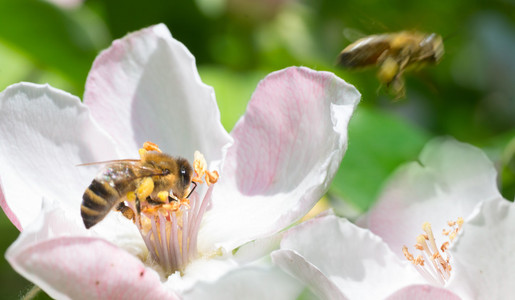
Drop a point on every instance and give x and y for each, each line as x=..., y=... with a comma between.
x=393, y=53
x=147, y=177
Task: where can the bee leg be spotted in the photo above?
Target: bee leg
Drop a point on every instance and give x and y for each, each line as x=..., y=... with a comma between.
x=126, y=211
x=152, y=201
x=138, y=206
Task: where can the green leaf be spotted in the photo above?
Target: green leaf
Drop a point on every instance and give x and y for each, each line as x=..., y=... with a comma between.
x=378, y=144
x=233, y=90
x=50, y=38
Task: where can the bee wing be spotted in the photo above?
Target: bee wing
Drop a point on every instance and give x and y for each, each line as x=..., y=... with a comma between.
x=107, y=162
x=123, y=170
x=364, y=52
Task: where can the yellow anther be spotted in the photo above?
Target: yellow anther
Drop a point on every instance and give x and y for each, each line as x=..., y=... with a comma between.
x=445, y=232
x=145, y=188
x=211, y=177
x=460, y=222
x=451, y=223
x=199, y=165
x=452, y=236
x=421, y=240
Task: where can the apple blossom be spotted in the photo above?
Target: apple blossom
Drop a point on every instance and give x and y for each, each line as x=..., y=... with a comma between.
x=145, y=87
x=451, y=180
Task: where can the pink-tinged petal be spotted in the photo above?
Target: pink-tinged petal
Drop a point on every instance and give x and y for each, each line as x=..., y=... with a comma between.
x=297, y=266
x=58, y=254
x=146, y=87
x=287, y=148
x=86, y=268
x=483, y=253
x=423, y=292
x=45, y=133
x=358, y=263
x=448, y=182
x=248, y=283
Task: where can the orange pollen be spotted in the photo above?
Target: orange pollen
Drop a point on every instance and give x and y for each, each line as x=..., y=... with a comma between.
x=200, y=167
x=419, y=261
x=149, y=146
x=444, y=246
x=439, y=269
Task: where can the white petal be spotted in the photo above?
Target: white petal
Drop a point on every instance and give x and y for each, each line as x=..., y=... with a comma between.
x=146, y=87
x=450, y=180
x=249, y=283
x=297, y=266
x=45, y=133
x=483, y=254
x=287, y=148
x=354, y=260
x=56, y=254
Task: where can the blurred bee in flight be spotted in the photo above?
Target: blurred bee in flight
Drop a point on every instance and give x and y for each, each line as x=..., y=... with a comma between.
x=393, y=53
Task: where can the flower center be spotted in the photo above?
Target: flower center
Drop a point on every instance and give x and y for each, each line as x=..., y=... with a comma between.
x=439, y=267
x=170, y=227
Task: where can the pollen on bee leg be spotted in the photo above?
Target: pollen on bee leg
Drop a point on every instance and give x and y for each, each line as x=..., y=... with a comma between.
x=145, y=188
x=163, y=196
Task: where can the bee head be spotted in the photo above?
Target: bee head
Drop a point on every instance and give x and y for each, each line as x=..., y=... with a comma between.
x=433, y=44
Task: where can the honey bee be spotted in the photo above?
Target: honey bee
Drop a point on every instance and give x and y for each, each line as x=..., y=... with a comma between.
x=154, y=173
x=393, y=53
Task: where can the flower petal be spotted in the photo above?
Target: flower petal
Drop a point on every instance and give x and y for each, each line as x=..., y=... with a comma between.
x=248, y=283
x=145, y=87
x=86, y=268
x=359, y=264
x=287, y=148
x=297, y=266
x=450, y=180
x=45, y=133
x=423, y=292
x=56, y=253
x=483, y=253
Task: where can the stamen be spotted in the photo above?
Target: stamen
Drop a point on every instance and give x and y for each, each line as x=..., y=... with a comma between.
x=440, y=269
x=170, y=228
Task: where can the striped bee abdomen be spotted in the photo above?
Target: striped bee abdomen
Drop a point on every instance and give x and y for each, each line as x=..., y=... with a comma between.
x=97, y=201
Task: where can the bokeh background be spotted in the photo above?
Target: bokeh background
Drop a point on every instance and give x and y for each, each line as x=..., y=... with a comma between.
x=470, y=95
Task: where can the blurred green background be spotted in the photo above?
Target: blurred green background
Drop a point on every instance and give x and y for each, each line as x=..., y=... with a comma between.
x=470, y=95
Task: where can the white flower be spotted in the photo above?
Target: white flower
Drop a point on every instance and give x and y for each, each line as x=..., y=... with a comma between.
x=274, y=166
x=340, y=260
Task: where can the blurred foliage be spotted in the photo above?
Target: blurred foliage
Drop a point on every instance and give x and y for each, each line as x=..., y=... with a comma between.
x=470, y=95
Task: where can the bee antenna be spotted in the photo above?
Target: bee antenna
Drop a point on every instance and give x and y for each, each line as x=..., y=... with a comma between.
x=194, y=183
